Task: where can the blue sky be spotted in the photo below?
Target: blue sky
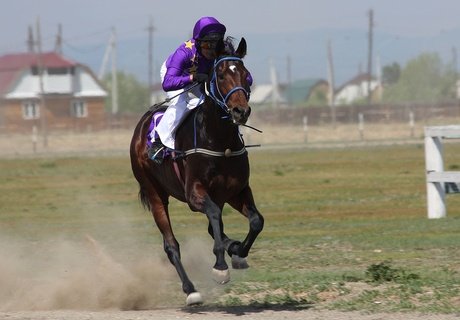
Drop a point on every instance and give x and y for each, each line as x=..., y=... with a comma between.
x=87, y=23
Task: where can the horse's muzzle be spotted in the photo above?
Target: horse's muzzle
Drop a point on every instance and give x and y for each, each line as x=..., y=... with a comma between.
x=240, y=115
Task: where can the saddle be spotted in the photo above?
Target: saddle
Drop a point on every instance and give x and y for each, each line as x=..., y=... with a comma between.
x=153, y=140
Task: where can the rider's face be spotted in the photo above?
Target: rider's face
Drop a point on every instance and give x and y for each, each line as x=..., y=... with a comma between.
x=208, y=49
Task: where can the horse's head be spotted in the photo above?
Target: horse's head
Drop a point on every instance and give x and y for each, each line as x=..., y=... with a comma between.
x=229, y=84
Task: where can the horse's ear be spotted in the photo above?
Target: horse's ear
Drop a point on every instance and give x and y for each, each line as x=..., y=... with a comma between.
x=242, y=48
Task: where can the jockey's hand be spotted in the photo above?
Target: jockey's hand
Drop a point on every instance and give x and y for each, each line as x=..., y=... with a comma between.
x=200, y=77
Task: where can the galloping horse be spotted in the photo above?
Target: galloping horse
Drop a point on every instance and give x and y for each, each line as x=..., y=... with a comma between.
x=208, y=169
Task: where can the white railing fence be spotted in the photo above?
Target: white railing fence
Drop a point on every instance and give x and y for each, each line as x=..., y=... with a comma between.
x=438, y=180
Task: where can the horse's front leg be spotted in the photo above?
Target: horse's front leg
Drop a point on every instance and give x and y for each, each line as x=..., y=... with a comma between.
x=244, y=203
x=199, y=200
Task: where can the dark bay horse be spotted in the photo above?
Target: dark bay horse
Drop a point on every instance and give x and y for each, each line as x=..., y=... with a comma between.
x=210, y=169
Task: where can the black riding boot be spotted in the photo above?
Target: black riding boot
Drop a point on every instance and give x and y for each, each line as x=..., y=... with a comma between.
x=156, y=152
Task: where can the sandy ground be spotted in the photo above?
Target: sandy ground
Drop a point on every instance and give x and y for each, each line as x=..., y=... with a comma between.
x=228, y=313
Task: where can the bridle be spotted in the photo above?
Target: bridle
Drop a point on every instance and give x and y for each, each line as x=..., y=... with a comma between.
x=214, y=91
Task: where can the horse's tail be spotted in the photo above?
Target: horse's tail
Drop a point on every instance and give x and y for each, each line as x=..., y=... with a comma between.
x=144, y=199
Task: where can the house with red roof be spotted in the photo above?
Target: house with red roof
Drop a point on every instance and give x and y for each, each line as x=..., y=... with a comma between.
x=69, y=95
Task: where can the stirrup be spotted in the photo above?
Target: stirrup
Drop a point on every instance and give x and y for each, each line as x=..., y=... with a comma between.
x=155, y=153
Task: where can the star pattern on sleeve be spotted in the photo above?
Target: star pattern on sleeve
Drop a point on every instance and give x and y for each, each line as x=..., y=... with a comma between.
x=189, y=44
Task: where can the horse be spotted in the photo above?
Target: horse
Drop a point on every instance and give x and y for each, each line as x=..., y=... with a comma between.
x=208, y=169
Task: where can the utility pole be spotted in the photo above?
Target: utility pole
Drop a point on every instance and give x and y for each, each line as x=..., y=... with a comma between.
x=289, y=79
x=378, y=73
x=40, y=67
x=114, y=74
x=30, y=41
x=58, y=44
x=369, y=57
x=455, y=69
x=455, y=59
x=150, y=30
x=111, y=51
x=330, y=69
x=275, y=89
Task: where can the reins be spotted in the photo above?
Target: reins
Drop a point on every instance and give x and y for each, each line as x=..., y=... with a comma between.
x=159, y=104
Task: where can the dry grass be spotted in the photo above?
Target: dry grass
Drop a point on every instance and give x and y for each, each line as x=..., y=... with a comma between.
x=110, y=141
x=329, y=214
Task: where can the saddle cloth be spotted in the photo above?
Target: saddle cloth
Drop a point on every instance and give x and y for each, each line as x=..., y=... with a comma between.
x=152, y=134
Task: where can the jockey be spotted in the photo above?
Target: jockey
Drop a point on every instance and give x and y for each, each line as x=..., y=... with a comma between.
x=190, y=63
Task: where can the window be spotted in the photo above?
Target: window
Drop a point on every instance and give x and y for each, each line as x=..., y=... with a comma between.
x=58, y=71
x=30, y=110
x=79, y=109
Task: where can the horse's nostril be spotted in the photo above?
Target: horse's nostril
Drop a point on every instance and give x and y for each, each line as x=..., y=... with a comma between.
x=242, y=111
x=241, y=114
x=248, y=111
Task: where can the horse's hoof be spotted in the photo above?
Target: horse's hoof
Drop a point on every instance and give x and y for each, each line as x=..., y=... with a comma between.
x=193, y=299
x=239, y=263
x=221, y=276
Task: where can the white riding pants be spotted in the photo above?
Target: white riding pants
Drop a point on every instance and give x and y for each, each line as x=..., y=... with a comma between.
x=178, y=108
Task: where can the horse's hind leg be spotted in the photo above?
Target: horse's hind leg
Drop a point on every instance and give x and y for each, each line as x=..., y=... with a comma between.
x=229, y=244
x=160, y=213
x=244, y=203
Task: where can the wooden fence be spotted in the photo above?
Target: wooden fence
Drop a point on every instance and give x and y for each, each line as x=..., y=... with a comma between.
x=402, y=113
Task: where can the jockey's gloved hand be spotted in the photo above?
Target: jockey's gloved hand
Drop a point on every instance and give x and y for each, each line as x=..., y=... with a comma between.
x=200, y=77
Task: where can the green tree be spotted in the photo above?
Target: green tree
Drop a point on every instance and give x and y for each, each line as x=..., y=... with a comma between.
x=423, y=79
x=391, y=73
x=132, y=94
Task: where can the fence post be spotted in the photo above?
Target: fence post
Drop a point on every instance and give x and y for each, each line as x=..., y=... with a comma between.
x=305, y=129
x=34, y=138
x=361, y=125
x=411, y=123
x=434, y=163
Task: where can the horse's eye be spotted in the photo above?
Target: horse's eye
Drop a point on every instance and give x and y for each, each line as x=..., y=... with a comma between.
x=220, y=76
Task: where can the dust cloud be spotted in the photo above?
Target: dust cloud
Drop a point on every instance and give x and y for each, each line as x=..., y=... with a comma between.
x=101, y=256
x=84, y=275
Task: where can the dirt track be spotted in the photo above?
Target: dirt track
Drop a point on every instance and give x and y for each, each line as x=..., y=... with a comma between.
x=217, y=314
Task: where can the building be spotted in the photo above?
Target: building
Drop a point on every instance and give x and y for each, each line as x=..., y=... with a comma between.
x=356, y=90
x=308, y=92
x=267, y=95
x=73, y=98
x=300, y=93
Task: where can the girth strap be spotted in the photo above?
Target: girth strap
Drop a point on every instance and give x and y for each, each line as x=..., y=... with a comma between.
x=227, y=153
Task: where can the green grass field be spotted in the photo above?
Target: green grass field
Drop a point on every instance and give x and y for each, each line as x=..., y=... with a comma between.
x=344, y=229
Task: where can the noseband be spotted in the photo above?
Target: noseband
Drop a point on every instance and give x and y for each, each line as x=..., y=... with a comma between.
x=214, y=91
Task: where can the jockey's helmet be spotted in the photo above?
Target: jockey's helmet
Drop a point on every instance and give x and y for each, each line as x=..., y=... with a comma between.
x=208, y=29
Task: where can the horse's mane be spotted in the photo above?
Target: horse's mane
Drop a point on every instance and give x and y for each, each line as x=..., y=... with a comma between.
x=229, y=46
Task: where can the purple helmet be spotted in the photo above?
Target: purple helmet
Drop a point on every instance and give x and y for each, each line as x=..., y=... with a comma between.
x=208, y=28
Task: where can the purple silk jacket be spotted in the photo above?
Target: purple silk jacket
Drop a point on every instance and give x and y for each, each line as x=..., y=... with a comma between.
x=184, y=61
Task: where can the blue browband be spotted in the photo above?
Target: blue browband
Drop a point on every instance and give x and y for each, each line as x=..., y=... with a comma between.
x=214, y=91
